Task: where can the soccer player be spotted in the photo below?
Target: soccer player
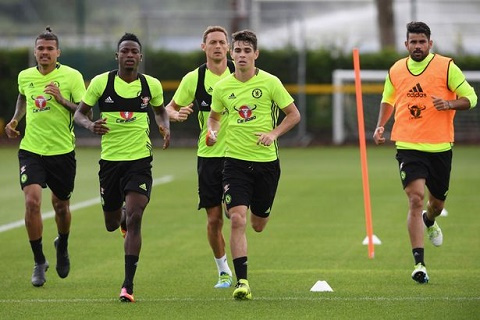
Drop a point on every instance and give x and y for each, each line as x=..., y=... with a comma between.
x=197, y=86
x=250, y=99
x=48, y=96
x=124, y=96
x=424, y=90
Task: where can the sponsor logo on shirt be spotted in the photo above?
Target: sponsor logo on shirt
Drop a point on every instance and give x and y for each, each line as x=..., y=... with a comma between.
x=416, y=111
x=41, y=103
x=127, y=116
x=416, y=92
x=245, y=113
x=109, y=100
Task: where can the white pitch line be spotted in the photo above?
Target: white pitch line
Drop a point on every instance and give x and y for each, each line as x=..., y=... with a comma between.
x=187, y=299
x=75, y=206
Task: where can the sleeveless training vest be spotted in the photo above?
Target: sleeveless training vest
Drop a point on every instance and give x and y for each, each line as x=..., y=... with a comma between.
x=416, y=119
x=202, y=97
x=111, y=101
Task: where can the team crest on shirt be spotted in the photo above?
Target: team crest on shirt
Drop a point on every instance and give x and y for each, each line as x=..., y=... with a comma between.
x=257, y=93
x=126, y=116
x=245, y=113
x=41, y=103
x=145, y=102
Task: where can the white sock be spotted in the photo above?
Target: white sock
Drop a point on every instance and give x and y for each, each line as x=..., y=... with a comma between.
x=222, y=265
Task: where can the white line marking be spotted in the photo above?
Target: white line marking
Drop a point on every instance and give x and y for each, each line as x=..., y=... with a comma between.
x=318, y=297
x=76, y=206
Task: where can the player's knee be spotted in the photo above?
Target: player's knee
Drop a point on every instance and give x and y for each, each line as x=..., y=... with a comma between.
x=415, y=200
x=134, y=221
x=238, y=220
x=60, y=208
x=112, y=225
x=215, y=223
x=258, y=227
x=32, y=204
x=258, y=223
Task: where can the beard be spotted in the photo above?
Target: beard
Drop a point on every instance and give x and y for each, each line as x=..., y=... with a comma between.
x=418, y=55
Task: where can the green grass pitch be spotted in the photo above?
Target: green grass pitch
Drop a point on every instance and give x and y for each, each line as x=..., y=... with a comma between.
x=315, y=233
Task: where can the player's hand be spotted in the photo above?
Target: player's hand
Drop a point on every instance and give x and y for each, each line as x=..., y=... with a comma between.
x=99, y=127
x=165, y=132
x=211, y=138
x=54, y=91
x=184, y=112
x=441, y=104
x=265, y=139
x=378, y=135
x=10, y=129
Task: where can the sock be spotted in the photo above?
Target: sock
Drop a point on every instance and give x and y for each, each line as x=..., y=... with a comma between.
x=240, y=265
x=427, y=221
x=418, y=255
x=222, y=265
x=130, y=269
x=62, y=241
x=37, y=249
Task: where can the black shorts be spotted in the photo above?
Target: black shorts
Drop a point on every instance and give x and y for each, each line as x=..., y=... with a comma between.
x=57, y=172
x=119, y=177
x=434, y=167
x=253, y=184
x=210, y=188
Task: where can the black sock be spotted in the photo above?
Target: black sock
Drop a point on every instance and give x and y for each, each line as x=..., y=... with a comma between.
x=62, y=241
x=37, y=249
x=240, y=265
x=418, y=255
x=130, y=269
x=427, y=221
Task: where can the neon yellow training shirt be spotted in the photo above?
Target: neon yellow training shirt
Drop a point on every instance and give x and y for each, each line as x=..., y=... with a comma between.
x=49, y=125
x=251, y=107
x=185, y=94
x=128, y=139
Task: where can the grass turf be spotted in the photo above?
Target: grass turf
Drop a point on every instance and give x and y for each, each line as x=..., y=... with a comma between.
x=315, y=233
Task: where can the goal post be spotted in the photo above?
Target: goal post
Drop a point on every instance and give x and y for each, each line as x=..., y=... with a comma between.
x=343, y=83
x=344, y=116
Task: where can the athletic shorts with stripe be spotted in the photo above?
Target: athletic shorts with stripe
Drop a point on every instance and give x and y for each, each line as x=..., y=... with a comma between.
x=57, y=172
x=434, y=167
x=119, y=177
x=253, y=184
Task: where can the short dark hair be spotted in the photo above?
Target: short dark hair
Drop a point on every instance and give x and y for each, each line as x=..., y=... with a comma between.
x=211, y=29
x=418, y=27
x=246, y=36
x=47, y=35
x=129, y=37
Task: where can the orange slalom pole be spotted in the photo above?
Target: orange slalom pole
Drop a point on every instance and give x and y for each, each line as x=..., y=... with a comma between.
x=363, y=153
